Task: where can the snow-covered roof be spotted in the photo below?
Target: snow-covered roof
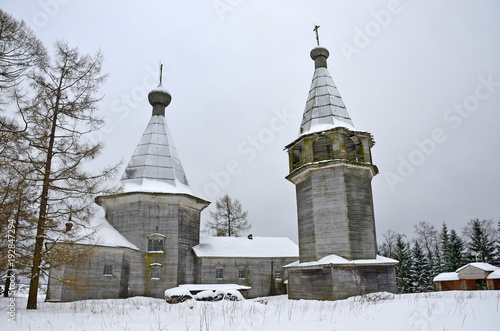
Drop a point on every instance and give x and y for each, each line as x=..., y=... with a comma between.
x=335, y=259
x=324, y=107
x=494, y=275
x=480, y=265
x=107, y=235
x=99, y=232
x=446, y=276
x=244, y=247
x=155, y=165
x=204, y=287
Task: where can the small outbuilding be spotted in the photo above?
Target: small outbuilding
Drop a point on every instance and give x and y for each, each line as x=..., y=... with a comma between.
x=472, y=276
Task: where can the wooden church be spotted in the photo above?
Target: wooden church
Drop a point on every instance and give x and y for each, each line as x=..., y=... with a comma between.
x=149, y=239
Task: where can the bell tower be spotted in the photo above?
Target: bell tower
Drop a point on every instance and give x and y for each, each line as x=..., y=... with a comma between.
x=331, y=166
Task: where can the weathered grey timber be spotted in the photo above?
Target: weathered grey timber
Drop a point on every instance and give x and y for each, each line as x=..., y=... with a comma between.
x=156, y=218
x=89, y=281
x=337, y=282
x=335, y=211
x=176, y=217
x=255, y=262
x=331, y=166
x=260, y=273
x=332, y=171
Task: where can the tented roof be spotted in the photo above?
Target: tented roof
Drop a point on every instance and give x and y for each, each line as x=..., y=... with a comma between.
x=155, y=165
x=324, y=107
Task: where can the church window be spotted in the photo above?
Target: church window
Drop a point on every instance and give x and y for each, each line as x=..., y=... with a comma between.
x=108, y=270
x=322, y=148
x=156, y=243
x=155, y=270
x=241, y=273
x=219, y=273
x=277, y=273
x=155, y=273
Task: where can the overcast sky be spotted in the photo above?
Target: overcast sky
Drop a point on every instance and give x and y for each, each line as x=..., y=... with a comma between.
x=422, y=76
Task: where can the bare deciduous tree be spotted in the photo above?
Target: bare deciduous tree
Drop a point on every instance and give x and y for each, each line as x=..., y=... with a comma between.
x=229, y=219
x=428, y=236
x=388, y=246
x=20, y=51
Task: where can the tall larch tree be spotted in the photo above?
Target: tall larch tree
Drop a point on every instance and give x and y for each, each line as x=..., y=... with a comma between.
x=20, y=53
x=60, y=115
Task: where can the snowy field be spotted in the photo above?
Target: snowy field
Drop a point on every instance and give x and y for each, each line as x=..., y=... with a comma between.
x=456, y=310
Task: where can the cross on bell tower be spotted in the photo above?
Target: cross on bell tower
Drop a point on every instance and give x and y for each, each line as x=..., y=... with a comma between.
x=316, y=27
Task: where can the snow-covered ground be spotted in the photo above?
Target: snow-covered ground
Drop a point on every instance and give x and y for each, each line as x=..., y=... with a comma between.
x=456, y=310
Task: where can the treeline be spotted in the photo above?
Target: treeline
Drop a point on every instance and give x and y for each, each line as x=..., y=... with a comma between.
x=431, y=251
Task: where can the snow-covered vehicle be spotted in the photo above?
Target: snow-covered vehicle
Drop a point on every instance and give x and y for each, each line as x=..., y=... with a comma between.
x=181, y=294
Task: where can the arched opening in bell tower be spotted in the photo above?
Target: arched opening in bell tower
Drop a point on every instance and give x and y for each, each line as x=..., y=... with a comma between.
x=296, y=156
x=354, y=149
x=322, y=149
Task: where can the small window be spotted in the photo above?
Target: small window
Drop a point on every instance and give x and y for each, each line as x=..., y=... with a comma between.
x=219, y=273
x=108, y=270
x=277, y=273
x=155, y=245
x=155, y=272
x=241, y=274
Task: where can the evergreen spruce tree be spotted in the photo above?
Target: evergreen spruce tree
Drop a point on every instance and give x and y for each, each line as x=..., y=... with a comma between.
x=435, y=267
x=455, y=252
x=445, y=242
x=497, y=255
x=403, y=268
x=480, y=245
x=419, y=269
